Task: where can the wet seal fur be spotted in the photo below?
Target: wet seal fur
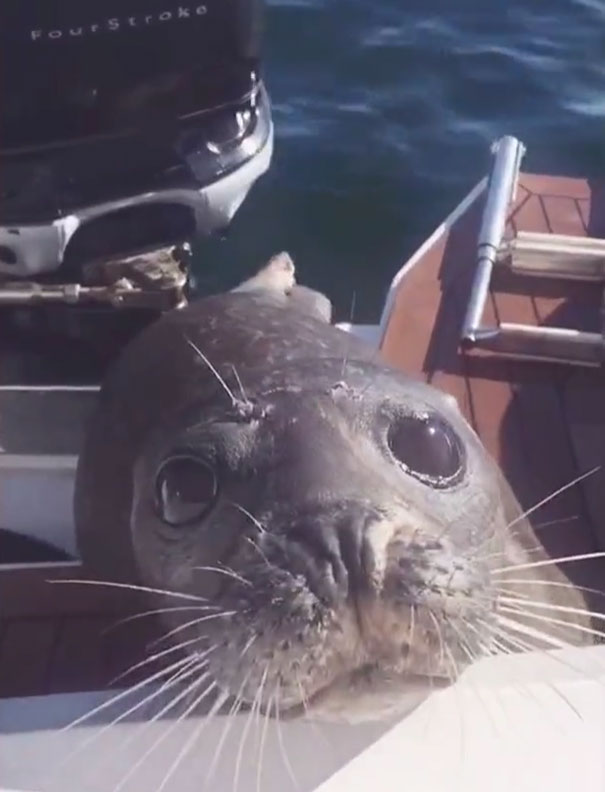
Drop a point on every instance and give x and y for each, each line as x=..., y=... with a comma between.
x=352, y=538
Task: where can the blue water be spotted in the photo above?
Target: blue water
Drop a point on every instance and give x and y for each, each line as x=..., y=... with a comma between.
x=384, y=113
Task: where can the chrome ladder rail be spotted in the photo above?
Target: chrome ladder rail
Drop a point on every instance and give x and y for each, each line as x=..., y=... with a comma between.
x=570, y=258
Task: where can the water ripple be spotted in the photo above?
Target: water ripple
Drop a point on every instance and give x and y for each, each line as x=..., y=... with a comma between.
x=384, y=112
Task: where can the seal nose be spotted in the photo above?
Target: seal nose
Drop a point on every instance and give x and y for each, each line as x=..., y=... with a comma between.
x=355, y=552
x=311, y=554
x=333, y=557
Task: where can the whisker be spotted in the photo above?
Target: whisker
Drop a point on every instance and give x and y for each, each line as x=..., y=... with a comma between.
x=501, y=590
x=261, y=553
x=411, y=632
x=499, y=633
x=182, y=668
x=558, y=521
x=323, y=736
x=194, y=665
x=488, y=652
x=222, y=571
x=192, y=623
x=280, y=740
x=230, y=719
x=552, y=687
x=523, y=646
x=440, y=638
x=555, y=583
x=452, y=661
x=239, y=383
x=516, y=643
x=472, y=657
x=458, y=694
x=552, y=620
x=157, y=612
x=549, y=606
x=502, y=649
x=194, y=737
x=251, y=517
x=249, y=643
x=535, y=549
x=220, y=380
x=548, y=562
x=263, y=740
x=156, y=656
x=258, y=711
x=261, y=529
x=303, y=696
x=123, y=694
x=130, y=586
x=485, y=648
x=238, y=760
x=197, y=701
x=544, y=501
x=518, y=627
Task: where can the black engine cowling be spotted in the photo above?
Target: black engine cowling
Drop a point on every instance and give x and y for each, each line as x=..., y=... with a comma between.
x=73, y=69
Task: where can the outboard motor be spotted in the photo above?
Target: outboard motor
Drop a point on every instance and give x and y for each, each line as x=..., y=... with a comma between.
x=125, y=126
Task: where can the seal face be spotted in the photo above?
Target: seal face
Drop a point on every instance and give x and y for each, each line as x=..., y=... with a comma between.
x=341, y=522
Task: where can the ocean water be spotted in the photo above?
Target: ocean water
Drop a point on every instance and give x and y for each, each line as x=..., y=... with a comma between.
x=384, y=113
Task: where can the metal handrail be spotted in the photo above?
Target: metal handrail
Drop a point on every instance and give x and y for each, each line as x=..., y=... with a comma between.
x=562, y=257
x=502, y=188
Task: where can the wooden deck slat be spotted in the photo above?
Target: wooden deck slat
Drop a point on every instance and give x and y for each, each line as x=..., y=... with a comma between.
x=25, y=652
x=555, y=302
x=558, y=186
x=78, y=662
x=563, y=215
x=79, y=657
x=129, y=644
x=33, y=592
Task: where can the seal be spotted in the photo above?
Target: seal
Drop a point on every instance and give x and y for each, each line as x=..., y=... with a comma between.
x=352, y=542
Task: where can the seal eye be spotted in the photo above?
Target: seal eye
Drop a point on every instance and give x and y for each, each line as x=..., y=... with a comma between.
x=185, y=490
x=427, y=447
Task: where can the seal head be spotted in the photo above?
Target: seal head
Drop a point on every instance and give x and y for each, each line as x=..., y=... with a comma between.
x=341, y=521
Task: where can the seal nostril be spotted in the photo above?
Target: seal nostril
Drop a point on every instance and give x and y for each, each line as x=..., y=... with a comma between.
x=355, y=550
x=316, y=556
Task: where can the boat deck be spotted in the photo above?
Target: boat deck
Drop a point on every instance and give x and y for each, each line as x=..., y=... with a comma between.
x=544, y=423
